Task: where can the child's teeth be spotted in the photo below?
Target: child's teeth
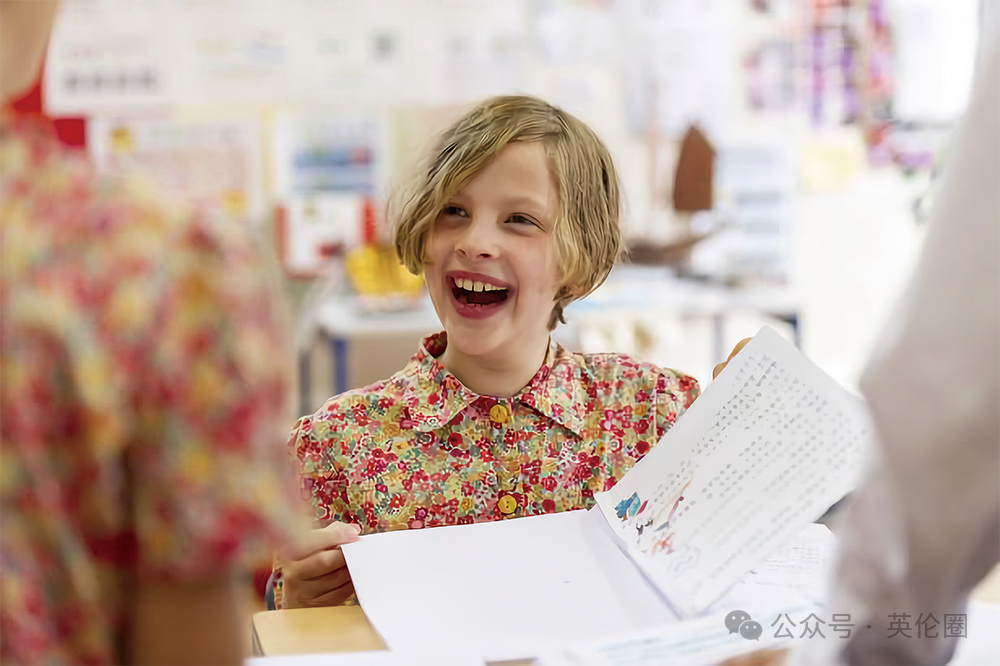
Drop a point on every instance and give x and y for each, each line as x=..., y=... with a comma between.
x=470, y=285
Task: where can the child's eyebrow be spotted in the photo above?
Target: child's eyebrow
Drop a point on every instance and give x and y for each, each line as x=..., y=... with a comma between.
x=534, y=205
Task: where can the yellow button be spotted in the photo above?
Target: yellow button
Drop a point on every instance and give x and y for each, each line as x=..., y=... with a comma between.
x=507, y=505
x=499, y=414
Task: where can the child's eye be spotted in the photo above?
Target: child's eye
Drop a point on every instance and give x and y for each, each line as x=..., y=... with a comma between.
x=521, y=219
x=454, y=211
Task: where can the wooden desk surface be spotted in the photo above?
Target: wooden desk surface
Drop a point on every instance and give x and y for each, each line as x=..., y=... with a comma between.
x=347, y=629
x=314, y=631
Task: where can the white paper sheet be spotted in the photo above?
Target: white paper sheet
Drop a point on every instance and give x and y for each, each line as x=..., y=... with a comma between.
x=771, y=444
x=795, y=573
x=521, y=588
x=789, y=582
x=506, y=588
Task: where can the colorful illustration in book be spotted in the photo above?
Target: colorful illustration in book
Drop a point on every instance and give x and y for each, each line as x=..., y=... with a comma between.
x=629, y=507
x=652, y=520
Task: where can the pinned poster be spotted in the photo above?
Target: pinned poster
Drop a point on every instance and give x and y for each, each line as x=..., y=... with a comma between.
x=680, y=66
x=326, y=166
x=315, y=228
x=214, y=162
x=229, y=51
x=485, y=49
x=326, y=152
x=108, y=56
x=362, y=54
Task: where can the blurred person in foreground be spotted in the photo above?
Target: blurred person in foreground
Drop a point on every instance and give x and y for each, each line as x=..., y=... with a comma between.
x=141, y=406
x=924, y=529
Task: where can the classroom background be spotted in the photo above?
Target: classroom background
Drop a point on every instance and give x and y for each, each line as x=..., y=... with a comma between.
x=778, y=157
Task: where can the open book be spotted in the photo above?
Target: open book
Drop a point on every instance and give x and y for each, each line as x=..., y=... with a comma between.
x=768, y=447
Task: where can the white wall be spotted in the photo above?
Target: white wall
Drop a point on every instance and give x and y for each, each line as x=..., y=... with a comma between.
x=854, y=248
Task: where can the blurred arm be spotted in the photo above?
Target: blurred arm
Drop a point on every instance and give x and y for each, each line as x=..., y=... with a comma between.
x=190, y=623
x=925, y=527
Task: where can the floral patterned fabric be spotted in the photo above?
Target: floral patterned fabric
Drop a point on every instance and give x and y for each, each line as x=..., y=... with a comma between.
x=144, y=376
x=422, y=450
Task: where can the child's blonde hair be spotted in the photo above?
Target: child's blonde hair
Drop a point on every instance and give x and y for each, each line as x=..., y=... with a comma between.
x=586, y=230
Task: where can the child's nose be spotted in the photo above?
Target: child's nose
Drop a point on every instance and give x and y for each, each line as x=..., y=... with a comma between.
x=477, y=241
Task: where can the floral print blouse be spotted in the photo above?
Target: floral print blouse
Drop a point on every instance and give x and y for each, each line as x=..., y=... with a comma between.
x=421, y=450
x=141, y=400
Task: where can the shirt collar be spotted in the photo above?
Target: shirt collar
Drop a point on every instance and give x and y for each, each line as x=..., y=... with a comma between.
x=436, y=397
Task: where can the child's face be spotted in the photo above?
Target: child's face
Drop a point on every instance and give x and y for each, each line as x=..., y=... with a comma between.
x=493, y=276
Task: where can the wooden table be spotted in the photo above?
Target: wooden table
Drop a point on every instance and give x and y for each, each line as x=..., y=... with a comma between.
x=347, y=629
x=321, y=631
x=314, y=631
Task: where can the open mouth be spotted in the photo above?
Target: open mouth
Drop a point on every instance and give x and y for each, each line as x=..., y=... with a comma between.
x=475, y=297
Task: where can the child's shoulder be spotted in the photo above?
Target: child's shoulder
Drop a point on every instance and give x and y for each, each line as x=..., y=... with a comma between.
x=615, y=370
x=361, y=407
x=614, y=379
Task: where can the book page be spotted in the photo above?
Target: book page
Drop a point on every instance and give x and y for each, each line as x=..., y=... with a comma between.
x=769, y=446
x=506, y=588
x=795, y=573
x=520, y=588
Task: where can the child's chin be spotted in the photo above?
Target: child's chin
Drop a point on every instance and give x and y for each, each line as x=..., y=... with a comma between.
x=471, y=342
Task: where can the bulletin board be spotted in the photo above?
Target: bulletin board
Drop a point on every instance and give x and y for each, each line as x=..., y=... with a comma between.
x=638, y=72
x=215, y=162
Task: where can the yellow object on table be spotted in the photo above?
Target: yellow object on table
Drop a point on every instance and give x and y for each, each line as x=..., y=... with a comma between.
x=376, y=271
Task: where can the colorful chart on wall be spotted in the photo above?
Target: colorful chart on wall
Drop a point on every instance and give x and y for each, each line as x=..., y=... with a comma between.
x=216, y=162
x=326, y=165
x=323, y=151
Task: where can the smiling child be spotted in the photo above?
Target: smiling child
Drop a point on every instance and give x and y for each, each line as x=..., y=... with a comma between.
x=515, y=215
